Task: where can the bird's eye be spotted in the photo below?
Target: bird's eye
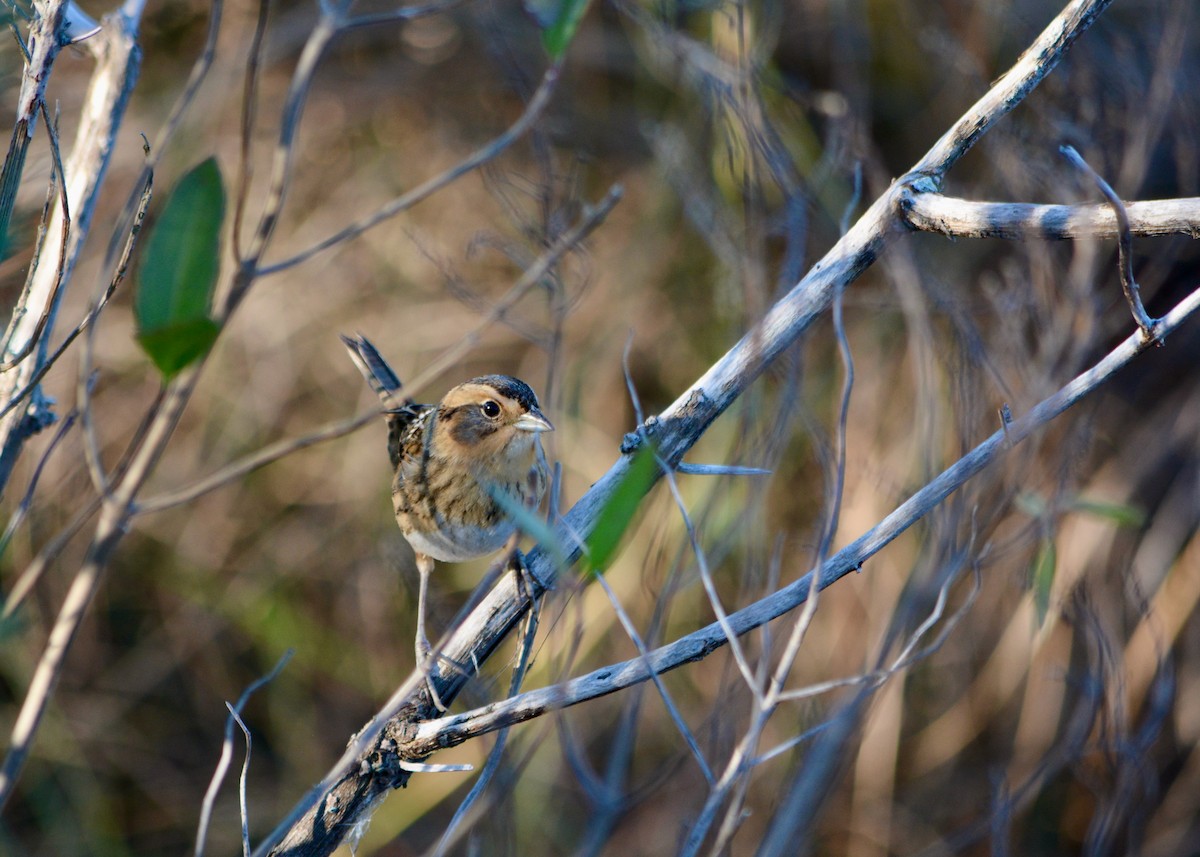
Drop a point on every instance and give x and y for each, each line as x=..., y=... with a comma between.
x=491, y=409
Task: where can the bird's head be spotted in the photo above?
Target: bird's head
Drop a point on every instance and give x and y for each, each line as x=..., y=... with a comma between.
x=493, y=418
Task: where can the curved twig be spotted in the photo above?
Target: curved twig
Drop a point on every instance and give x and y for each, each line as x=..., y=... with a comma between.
x=214, y=785
x=1124, y=244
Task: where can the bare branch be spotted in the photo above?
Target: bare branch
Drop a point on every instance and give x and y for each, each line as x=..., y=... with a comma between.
x=14, y=356
x=107, y=96
x=94, y=312
x=245, y=168
x=961, y=218
x=449, y=731
x=683, y=423
x=1011, y=89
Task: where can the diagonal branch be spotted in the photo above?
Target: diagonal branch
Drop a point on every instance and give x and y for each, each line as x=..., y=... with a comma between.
x=316, y=823
x=433, y=735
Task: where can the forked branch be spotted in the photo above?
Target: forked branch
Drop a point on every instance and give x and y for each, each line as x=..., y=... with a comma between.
x=364, y=772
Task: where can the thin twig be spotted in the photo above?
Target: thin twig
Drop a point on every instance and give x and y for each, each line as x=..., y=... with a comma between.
x=39, y=244
x=34, y=337
x=44, y=37
x=1124, y=245
x=27, y=500
x=524, y=655
x=243, y=806
x=254, y=461
x=289, y=124
x=94, y=312
x=84, y=386
x=533, y=110
x=908, y=656
x=672, y=709
x=196, y=77
x=710, y=588
x=743, y=760
x=53, y=193
x=249, y=104
x=214, y=784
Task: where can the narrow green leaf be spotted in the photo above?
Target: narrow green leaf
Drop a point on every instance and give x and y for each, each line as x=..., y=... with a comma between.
x=528, y=522
x=1044, y=567
x=558, y=35
x=618, y=511
x=178, y=272
x=1120, y=514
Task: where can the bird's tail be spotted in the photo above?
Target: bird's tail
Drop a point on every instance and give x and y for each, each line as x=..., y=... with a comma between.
x=375, y=369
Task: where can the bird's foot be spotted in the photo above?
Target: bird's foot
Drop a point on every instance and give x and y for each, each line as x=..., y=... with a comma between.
x=528, y=587
x=427, y=663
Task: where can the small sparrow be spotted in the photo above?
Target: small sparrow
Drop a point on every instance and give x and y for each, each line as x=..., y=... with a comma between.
x=452, y=459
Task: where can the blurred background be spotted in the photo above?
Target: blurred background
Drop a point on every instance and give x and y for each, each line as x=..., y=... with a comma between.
x=1056, y=705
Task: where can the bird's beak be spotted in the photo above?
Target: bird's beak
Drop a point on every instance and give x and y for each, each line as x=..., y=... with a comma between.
x=533, y=421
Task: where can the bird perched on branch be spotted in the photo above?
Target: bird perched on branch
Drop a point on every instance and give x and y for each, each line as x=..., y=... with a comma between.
x=452, y=460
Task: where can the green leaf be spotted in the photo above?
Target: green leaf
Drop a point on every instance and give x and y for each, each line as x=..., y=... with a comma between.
x=618, y=510
x=1044, y=567
x=528, y=521
x=177, y=346
x=1120, y=514
x=566, y=19
x=178, y=272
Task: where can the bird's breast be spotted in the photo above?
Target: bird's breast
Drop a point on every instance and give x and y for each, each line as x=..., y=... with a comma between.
x=459, y=542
